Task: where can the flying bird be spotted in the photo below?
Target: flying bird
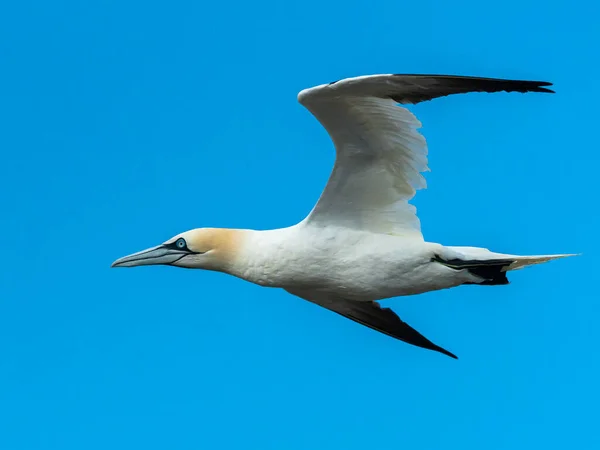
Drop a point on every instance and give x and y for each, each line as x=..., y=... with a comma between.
x=362, y=241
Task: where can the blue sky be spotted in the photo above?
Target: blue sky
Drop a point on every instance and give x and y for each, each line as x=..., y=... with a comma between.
x=124, y=123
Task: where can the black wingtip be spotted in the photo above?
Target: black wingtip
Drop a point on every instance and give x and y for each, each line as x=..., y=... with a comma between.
x=444, y=351
x=484, y=84
x=547, y=91
x=539, y=86
x=451, y=355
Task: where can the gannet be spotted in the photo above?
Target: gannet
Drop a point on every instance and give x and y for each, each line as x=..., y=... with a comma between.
x=362, y=241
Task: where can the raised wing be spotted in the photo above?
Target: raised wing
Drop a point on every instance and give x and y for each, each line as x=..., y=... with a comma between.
x=372, y=315
x=380, y=153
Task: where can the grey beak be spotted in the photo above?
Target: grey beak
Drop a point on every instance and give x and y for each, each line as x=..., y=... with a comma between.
x=150, y=257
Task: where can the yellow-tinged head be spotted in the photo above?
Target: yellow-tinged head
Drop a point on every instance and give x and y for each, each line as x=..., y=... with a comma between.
x=202, y=248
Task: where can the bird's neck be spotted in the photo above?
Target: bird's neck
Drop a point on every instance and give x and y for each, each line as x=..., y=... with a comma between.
x=263, y=256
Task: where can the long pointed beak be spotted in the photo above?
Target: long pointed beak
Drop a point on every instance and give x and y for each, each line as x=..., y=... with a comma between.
x=150, y=257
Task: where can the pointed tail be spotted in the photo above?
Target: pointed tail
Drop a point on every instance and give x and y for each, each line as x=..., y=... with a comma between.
x=489, y=266
x=524, y=261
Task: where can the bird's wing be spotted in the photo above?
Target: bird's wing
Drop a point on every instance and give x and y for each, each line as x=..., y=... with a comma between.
x=372, y=315
x=379, y=152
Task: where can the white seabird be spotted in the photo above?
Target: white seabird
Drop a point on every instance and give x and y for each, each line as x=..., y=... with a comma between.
x=362, y=241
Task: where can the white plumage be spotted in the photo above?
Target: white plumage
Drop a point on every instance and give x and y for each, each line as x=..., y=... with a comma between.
x=380, y=157
x=362, y=241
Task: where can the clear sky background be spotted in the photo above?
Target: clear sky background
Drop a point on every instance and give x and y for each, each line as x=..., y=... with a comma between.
x=124, y=123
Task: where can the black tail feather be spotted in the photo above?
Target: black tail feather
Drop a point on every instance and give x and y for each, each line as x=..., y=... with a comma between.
x=493, y=271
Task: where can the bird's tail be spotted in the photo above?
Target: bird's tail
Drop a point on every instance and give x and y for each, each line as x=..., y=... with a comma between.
x=489, y=266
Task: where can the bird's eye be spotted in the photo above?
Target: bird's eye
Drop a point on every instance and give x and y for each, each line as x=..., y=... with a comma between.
x=180, y=243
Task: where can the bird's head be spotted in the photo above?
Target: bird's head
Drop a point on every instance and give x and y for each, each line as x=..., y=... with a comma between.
x=202, y=248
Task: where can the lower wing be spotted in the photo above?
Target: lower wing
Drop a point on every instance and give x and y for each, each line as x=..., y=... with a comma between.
x=372, y=315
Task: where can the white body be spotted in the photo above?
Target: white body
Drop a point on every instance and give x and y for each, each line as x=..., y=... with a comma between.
x=352, y=264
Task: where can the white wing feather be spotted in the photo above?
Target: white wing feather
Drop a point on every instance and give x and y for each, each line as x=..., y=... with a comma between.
x=380, y=153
